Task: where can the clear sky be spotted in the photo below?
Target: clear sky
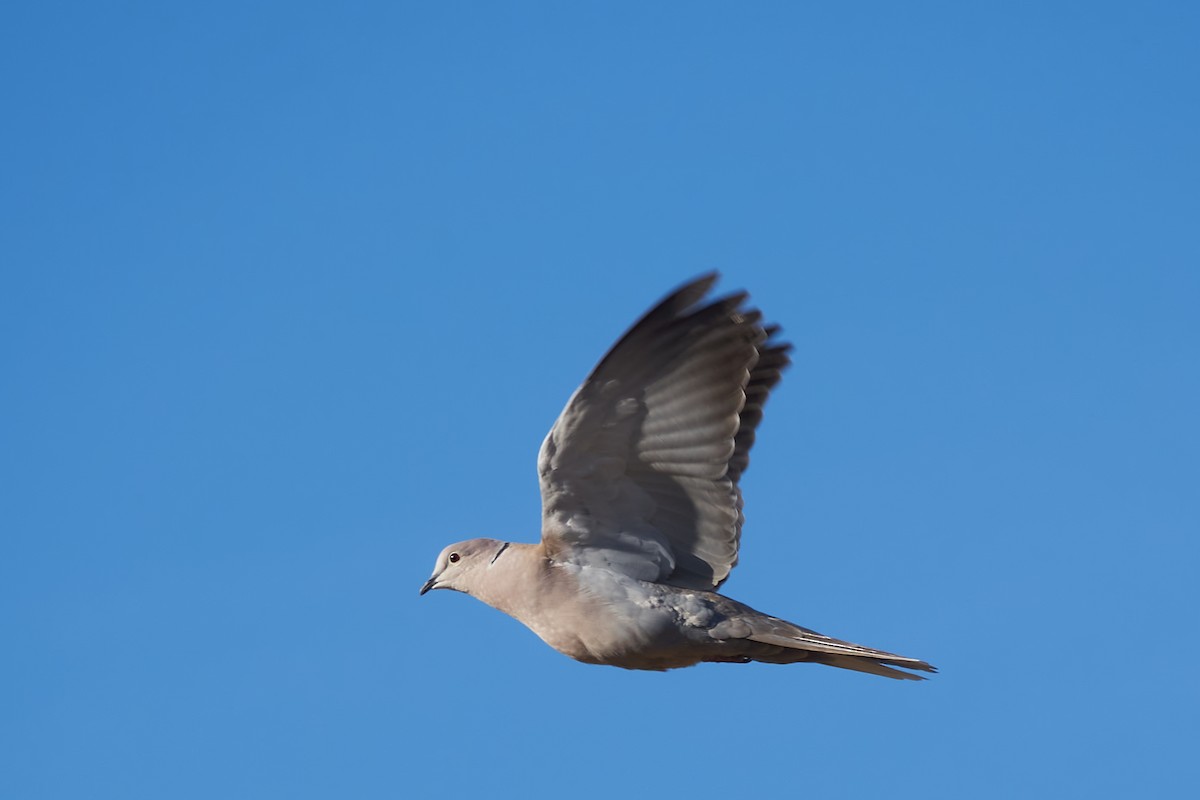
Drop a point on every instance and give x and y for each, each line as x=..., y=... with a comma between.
x=292, y=292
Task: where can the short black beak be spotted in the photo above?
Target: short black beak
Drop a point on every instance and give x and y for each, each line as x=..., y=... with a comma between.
x=428, y=585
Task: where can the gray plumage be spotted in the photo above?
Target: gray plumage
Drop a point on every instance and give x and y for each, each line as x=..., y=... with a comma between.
x=641, y=510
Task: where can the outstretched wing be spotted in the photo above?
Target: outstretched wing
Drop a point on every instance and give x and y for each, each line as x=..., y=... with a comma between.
x=640, y=471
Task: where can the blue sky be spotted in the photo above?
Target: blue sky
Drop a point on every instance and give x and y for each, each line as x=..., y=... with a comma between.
x=292, y=292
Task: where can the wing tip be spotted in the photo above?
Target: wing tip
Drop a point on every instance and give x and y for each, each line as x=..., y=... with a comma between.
x=696, y=288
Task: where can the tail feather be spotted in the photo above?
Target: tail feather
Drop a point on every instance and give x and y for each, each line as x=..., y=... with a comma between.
x=809, y=645
x=860, y=664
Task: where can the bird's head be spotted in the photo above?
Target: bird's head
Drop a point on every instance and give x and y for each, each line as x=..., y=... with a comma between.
x=458, y=561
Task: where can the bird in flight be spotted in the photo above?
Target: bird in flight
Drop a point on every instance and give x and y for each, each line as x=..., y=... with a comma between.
x=641, y=510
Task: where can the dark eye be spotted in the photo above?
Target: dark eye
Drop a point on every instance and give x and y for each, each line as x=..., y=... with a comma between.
x=453, y=558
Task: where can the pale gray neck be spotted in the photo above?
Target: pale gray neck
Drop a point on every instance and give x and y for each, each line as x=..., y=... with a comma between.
x=510, y=582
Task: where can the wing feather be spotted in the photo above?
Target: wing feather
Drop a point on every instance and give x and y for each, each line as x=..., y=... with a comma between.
x=640, y=470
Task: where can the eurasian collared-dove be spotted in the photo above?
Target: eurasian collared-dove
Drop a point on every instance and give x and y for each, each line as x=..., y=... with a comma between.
x=641, y=511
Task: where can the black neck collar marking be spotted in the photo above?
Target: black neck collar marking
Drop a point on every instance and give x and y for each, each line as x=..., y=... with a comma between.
x=503, y=547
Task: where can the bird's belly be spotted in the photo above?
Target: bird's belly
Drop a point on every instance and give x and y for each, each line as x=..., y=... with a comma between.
x=633, y=644
x=625, y=623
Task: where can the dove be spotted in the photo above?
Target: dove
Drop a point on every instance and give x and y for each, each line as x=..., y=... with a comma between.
x=642, y=510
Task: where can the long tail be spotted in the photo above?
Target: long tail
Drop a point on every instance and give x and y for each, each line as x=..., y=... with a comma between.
x=802, y=644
